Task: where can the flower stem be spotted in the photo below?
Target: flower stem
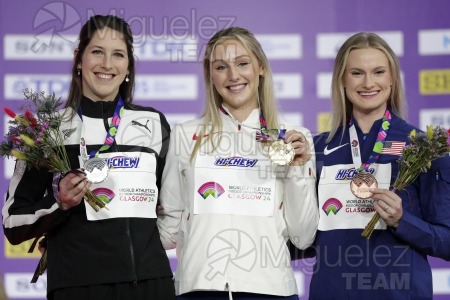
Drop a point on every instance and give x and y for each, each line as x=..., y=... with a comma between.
x=94, y=201
x=370, y=226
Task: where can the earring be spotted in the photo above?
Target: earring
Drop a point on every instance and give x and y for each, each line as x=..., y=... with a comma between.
x=79, y=72
x=127, y=79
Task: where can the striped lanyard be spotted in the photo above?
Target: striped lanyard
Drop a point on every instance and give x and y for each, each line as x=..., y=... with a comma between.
x=262, y=134
x=110, y=136
x=381, y=138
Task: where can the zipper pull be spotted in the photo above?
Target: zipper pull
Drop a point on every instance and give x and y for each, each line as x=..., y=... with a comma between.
x=227, y=288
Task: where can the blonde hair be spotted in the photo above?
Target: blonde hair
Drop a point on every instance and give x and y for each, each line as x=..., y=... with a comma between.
x=342, y=107
x=266, y=97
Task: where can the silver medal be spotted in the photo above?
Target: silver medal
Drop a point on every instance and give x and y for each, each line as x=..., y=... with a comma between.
x=281, y=153
x=96, y=170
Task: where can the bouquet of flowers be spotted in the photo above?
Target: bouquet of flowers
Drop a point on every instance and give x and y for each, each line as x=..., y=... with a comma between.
x=416, y=158
x=34, y=137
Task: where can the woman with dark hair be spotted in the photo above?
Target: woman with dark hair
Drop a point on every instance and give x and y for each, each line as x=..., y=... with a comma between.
x=115, y=253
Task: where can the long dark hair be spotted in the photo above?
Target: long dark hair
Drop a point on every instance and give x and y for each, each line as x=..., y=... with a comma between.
x=94, y=24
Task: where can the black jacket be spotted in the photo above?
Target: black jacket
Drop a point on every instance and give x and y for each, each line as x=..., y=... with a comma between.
x=82, y=252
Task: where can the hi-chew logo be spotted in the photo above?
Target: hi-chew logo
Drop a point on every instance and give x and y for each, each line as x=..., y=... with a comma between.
x=211, y=188
x=104, y=194
x=122, y=162
x=235, y=161
x=332, y=205
x=348, y=174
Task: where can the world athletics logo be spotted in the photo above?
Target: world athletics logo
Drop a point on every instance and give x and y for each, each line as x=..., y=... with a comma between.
x=211, y=188
x=332, y=205
x=104, y=194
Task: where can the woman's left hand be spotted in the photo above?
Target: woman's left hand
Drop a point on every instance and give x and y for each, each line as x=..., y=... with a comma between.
x=388, y=205
x=301, y=147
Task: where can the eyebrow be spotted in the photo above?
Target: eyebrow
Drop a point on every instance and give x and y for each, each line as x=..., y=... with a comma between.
x=103, y=48
x=236, y=58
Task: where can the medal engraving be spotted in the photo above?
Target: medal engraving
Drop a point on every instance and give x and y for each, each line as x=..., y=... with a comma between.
x=96, y=170
x=281, y=153
x=361, y=184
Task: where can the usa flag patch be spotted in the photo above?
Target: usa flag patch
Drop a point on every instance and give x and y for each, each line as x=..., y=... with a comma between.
x=393, y=148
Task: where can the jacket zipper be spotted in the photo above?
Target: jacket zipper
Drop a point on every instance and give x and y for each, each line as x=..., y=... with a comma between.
x=133, y=260
x=227, y=288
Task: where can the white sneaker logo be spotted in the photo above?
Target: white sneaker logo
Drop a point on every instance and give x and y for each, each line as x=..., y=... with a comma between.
x=327, y=151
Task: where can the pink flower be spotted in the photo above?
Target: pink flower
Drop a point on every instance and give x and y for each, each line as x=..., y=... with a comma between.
x=31, y=119
x=9, y=112
x=448, y=137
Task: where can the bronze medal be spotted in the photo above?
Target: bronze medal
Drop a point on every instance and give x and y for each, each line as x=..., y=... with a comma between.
x=96, y=170
x=361, y=184
x=281, y=153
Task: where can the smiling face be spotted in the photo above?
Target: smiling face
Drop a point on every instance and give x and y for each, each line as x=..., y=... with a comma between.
x=367, y=81
x=235, y=75
x=104, y=65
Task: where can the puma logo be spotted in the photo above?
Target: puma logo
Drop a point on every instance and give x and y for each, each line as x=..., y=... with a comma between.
x=133, y=122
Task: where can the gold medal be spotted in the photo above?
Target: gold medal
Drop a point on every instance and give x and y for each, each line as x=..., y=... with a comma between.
x=96, y=170
x=361, y=184
x=281, y=153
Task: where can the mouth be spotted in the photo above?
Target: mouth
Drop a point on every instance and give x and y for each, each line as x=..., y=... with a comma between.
x=236, y=88
x=368, y=94
x=104, y=76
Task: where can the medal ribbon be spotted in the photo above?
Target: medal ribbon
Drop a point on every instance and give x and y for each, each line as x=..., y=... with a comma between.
x=377, y=147
x=111, y=134
x=262, y=134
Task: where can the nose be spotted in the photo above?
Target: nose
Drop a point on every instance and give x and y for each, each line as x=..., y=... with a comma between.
x=233, y=74
x=368, y=82
x=106, y=62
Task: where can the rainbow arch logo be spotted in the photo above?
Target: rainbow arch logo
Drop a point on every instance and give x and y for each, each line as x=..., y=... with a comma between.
x=104, y=194
x=332, y=205
x=210, y=188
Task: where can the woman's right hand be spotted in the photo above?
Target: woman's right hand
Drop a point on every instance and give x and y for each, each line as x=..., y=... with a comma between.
x=72, y=188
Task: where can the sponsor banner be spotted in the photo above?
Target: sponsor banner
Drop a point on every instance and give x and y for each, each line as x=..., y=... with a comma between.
x=323, y=122
x=166, y=87
x=39, y=47
x=441, y=281
x=175, y=119
x=173, y=49
x=300, y=279
x=438, y=116
x=171, y=254
x=281, y=46
x=293, y=119
x=18, y=286
x=14, y=84
x=323, y=83
x=434, y=82
x=434, y=42
x=148, y=87
x=328, y=44
x=21, y=250
x=8, y=167
x=288, y=86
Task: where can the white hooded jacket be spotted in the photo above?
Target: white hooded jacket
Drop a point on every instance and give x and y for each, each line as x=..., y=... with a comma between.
x=235, y=250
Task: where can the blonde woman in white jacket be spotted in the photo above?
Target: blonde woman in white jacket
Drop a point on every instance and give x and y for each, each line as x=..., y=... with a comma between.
x=233, y=190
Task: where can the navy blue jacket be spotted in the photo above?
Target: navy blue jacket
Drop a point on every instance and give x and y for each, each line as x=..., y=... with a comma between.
x=392, y=264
